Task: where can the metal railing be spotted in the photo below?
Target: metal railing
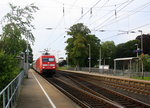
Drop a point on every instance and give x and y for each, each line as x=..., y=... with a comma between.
x=9, y=94
x=112, y=72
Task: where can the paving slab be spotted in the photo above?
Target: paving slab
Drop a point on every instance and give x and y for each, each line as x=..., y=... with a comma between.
x=36, y=92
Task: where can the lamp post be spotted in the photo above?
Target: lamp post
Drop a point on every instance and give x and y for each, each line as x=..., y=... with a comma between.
x=89, y=57
x=142, y=53
x=136, y=50
x=27, y=60
x=67, y=60
x=141, y=40
x=100, y=57
x=23, y=58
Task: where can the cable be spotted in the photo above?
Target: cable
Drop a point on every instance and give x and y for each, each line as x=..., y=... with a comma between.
x=136, y=10
x=100, y=8
x=72, y=5
x=113, y=15
x=110, y=11
x=129, y=30
x=140, y=27
x=61, y=22
x=87, y=11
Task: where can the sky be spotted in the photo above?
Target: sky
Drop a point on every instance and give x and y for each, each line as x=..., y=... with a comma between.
x=109, y=20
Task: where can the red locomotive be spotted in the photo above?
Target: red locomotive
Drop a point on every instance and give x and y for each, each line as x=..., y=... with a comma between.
x=46, y=64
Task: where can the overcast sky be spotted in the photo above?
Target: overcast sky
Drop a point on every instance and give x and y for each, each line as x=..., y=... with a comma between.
x=111, y=16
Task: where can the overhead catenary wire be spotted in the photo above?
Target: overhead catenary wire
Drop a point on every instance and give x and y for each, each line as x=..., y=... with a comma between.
x=63, y=18
x=61, y=37
x=53, y=30
x=117, y=34
x=98, y=10
x=87, y=11
x=113, y=14
x=136, y=28
x=111, y=11
x=132, y=12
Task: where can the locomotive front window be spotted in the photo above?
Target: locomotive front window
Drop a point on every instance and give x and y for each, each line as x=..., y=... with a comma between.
x=48, y=60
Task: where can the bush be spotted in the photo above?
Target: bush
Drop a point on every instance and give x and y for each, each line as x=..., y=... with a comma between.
x=8, y=69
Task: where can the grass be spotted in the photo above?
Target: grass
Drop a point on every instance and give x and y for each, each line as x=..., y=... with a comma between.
x=62, y=68
x=140, y=78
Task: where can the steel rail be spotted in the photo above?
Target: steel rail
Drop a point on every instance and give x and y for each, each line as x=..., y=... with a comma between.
x=86, y=97
x=132, y=100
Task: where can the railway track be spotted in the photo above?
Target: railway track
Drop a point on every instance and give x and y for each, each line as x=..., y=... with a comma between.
x=83, y=98
x=107, y=94
x=84, y=92
x=121, y=99
x=131, y=86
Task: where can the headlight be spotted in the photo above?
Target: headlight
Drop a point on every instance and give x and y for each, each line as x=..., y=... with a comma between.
x=52, y=64
x=45, y=64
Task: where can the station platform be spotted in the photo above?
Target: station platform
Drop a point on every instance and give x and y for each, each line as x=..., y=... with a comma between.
x=36, y=92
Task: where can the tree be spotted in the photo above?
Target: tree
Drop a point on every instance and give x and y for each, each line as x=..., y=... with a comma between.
x=17, y=22
x=127, y=49
x=95, y=49
x=77, y=44
x=77, y=48
x=78, y=29
x=108, y=53
x=146, y=41
x=8, y=68
x=146, y=62
x=79, y=51
x=16, y=25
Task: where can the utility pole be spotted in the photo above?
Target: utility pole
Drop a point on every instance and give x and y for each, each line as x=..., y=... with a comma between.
x=100, y=57
x=142, y=65
x=89, y=57
x=27, y=55
x=137, y=50
x=67, y=60
x=141, y=40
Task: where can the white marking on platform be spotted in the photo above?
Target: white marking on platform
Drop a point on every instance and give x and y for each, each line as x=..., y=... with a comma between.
x=49, y=99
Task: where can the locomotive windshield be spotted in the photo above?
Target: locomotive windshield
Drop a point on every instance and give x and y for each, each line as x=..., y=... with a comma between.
x=48, y=59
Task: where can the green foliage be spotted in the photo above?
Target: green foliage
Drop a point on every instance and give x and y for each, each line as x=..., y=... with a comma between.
x=127, y=49
x=78, y=49
x=16, y=26
x=78, y=29
x=18, y=22
x=95, y=49
x=146, y=41
x=8, y=68
x=146, y=62
x=108, y=53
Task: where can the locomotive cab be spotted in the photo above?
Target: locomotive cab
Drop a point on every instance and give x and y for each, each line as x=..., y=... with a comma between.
x=48, y=65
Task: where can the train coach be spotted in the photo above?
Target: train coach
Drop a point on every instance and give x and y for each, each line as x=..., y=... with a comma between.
x=46, y=65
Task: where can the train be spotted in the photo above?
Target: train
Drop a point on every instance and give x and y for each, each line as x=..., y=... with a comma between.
x=45, y=65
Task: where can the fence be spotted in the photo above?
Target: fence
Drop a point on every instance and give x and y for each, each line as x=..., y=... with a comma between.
x=112, y=72
x=9, y=94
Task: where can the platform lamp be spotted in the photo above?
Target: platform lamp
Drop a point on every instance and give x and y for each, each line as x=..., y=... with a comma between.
x=142, y=53
x=23, y=58
x=67, y=60
x=27, y=59
x=136, y=50
x=89, y=57
x=100, y=56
